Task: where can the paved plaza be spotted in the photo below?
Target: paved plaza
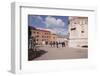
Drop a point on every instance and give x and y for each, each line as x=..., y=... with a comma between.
x=62, y=53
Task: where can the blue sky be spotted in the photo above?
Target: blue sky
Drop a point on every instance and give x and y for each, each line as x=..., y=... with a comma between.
x=55, y=24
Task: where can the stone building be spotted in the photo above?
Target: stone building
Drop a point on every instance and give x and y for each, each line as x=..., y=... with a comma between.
x=42, y=37
x=53, y=37
x=78, y=31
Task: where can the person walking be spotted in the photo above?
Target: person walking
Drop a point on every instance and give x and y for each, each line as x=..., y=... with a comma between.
x=57, y=44
x=63, y=44
x=53, y=43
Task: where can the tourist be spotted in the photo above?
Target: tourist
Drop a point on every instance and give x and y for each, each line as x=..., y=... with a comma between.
x=53, y=43
x=57, y=44
x=63, y=44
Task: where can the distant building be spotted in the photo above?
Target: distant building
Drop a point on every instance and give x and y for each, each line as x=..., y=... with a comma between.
x=61, y=39
x=78, y=31
x=53, y=37
x=42, y=37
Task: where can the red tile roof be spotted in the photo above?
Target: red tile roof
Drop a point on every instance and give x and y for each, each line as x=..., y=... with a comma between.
x=33, y=28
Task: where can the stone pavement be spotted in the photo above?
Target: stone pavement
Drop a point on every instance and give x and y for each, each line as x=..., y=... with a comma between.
x=63, y=53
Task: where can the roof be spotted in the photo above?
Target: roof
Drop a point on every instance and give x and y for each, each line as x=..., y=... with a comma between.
x=43, y=30
x=77, y=17
x=33, y=28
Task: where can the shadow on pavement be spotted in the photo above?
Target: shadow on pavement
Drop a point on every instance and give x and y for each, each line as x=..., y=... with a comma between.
x=35, y=54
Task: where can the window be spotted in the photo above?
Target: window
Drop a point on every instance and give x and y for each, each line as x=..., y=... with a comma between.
x=53, y=37
x=37, y=32
x=37, y=36
x=73, y=28
x=75, y=22
x=82, y=31
x=33, y=32
x=86, y=22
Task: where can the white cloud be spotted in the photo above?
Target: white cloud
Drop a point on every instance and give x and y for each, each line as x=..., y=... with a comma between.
x=53, y=22
x=60, y=31
x=50, y=21
x=39, y=17
x=55, y=25
x=60, y=22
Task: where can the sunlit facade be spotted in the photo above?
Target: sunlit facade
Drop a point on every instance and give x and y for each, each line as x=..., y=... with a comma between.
x=43, y=36
x=78, y=31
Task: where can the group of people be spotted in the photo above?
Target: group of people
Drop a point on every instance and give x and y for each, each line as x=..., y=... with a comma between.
x=56, y=44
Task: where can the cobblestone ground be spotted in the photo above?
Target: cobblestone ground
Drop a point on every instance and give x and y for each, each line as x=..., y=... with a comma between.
x=63, y=53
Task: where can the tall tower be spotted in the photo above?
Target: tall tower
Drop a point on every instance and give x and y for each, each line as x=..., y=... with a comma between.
x=78, y=31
